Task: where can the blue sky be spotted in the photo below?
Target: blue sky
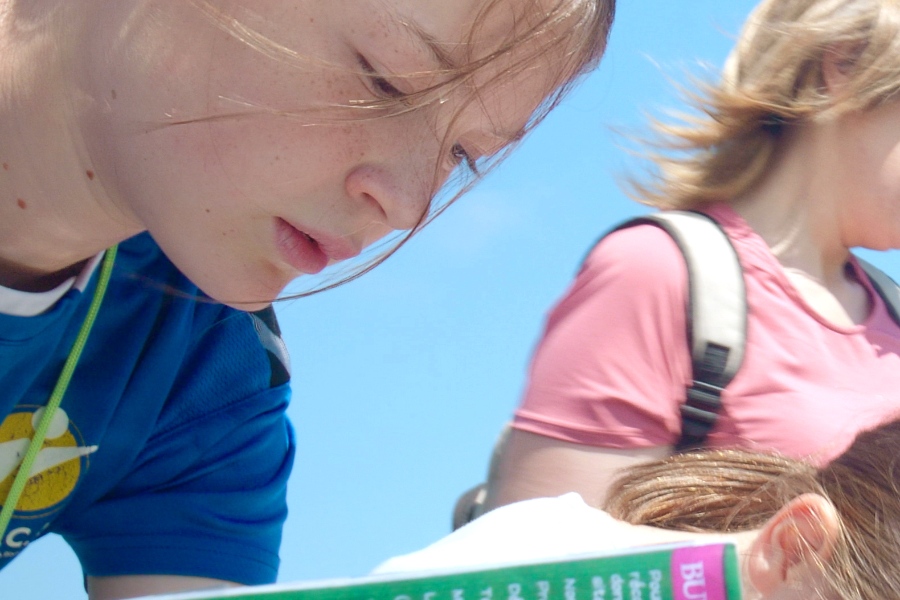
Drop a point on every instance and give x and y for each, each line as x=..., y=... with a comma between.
x=403, y=379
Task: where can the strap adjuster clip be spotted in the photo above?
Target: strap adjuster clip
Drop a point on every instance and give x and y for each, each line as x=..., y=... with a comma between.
x=704, y=396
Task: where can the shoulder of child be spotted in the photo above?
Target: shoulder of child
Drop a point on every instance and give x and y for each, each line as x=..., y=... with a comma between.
x=640, y=254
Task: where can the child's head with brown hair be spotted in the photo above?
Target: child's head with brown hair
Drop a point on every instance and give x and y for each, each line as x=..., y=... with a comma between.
x=841, y=522
x=336, y=122
x=779, y=77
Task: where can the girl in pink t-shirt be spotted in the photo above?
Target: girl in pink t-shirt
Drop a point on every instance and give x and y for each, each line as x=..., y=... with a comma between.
x=797, y=157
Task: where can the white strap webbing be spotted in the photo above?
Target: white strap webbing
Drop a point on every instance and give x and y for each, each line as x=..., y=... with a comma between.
x=717, y=301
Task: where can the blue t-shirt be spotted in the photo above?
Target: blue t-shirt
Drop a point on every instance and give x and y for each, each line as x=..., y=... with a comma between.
x=171, y=450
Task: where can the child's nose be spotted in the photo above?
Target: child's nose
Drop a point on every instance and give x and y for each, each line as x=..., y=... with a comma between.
x=402, y=200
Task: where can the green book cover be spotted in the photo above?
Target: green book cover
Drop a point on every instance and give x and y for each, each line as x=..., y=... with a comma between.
x=670, y=572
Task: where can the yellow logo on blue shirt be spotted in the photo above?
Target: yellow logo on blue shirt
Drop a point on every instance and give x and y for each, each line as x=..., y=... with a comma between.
x=57, y=467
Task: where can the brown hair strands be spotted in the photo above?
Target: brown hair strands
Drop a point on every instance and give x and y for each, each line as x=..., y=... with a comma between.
x=772, y=81
x=734, y=490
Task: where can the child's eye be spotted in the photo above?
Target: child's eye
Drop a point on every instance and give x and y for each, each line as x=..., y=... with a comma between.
x=381, y=86
x=460, y=156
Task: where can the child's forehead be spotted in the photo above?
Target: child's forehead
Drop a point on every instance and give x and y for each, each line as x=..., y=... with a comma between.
x=452, y=27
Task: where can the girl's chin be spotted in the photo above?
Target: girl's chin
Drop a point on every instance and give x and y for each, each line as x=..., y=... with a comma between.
x=248, y=306
x=249, y=298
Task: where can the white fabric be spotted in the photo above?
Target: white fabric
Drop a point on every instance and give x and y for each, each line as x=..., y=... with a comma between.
x=27, y=304
x=543, y=528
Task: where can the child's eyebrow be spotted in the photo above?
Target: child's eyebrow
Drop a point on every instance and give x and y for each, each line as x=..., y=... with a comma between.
x=430, y=42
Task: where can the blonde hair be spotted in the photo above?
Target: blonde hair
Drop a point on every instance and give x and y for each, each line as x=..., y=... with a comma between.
x=733, y=490
x=576, y=31
x=772, y=80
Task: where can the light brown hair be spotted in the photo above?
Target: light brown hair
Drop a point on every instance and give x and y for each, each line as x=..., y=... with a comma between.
x=733, y=490
x=772, y=81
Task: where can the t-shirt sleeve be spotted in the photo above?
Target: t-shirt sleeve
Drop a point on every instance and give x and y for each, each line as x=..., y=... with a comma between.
x=613, y=363
x=205, y=496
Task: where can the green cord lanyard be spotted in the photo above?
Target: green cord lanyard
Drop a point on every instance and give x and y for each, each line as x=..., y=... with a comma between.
x=37, y=442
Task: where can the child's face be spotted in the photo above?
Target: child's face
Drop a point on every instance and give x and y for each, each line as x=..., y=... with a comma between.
x=865, y=149
x=234, y=194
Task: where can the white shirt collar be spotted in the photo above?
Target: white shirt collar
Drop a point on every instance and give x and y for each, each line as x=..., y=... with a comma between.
x=27, y=304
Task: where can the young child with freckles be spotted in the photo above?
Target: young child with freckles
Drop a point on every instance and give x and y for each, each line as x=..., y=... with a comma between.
x=168, y=167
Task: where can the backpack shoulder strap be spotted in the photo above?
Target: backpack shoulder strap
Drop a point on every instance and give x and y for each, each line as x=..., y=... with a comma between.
x=717, y=315
x=886, y=287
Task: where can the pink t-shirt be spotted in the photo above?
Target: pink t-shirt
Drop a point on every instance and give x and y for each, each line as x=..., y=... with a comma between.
x=613, y=364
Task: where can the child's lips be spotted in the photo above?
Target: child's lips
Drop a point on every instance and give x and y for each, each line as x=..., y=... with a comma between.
x=309, y=251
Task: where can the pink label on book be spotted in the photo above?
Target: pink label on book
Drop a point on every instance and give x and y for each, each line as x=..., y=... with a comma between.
x=698, y=573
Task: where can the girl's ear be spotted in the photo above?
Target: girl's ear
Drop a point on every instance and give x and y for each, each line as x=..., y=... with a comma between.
x=837, y=65
x=793, y=546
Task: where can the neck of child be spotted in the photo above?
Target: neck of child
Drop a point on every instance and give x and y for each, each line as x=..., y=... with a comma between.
x=798, y=210
x=795, y=207
x=55, y=211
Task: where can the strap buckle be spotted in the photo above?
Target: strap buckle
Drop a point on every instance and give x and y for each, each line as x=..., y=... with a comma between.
x=699, y=414
x=704, y=396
